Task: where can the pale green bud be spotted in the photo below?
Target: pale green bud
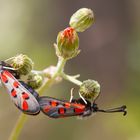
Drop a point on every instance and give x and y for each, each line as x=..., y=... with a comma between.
x=82, y=19
x=90, y=89
x=22, y=63
x=35, y=80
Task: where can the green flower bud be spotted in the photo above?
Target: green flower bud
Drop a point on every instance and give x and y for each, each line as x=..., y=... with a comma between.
x=82, y=19
x=22, y=63
x=34, y=80
x=67, y=43
x=90, y=89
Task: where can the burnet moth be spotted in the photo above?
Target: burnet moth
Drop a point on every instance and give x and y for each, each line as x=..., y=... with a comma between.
x=56, y=108
x=20, y=95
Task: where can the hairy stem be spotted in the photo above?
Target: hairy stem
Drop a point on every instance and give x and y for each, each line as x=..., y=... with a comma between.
x=71, y=79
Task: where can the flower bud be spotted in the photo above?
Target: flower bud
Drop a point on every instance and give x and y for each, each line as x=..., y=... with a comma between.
x=67, y=43
x=82, y=19
x=90, y=89
x=34, y=80
x=22, y=63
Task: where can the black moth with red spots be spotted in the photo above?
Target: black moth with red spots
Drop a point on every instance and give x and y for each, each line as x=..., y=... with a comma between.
x=56, y=108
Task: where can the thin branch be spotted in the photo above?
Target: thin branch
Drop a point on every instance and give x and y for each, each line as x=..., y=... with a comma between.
x=71, y=79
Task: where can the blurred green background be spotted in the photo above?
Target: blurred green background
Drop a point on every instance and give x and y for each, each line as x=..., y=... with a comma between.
x=110, y=54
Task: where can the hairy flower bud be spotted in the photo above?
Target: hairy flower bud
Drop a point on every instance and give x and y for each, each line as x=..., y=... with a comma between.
x=90, y=89
x=67, y=43
x=22, y=63
x=34, y=80
x=82, y=19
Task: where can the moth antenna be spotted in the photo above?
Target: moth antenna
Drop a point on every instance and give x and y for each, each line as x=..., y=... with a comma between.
x=71, y=94
x=8, y=68
x=9, y=59
x=113, y=110
x=82, y=98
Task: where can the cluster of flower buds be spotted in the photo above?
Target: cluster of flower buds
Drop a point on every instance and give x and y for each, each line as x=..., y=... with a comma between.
x=68, y=44
x=68, y=40
x=67, y=47
x=24, y=66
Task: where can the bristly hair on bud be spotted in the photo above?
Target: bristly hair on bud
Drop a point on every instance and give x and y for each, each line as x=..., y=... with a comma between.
x=35, y=80
x=90, y=89
x=82, y=19
x=67, y=43
x=22, y=63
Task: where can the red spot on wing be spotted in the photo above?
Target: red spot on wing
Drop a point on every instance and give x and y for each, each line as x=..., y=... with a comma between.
x=25, y=96
x=14, y=93
x=54, y=103
x=16, y=84
x=78, y=110
x=4, y=78
x=80, y=106
x=61, y=111
x=8, y=73
x=67, y=105
x=25, y=105
x=46, y=109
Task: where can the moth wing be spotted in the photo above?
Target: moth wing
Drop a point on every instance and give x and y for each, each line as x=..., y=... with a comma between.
x=58, y=108
x=21, y=97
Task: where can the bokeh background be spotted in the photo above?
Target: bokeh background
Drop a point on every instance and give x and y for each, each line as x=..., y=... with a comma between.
x=110, y=54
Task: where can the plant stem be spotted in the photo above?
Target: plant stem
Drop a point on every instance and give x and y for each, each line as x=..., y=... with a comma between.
x=18, y=127
x=59, y=68
x=23, y=118
x=71, y=79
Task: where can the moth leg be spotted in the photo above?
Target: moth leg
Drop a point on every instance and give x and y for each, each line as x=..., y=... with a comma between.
x=82, y=98
x=71, y=95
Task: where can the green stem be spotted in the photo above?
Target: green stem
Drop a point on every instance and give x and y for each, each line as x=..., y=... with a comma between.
x=71, y=79
x=59, y=68
x=23, y=118
x=18, y=127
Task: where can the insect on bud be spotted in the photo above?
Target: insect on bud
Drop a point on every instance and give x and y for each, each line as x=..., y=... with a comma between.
x=90, y=89
x=67, y=43
x=22, y=63
x=34, y=80
x=82, y=19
